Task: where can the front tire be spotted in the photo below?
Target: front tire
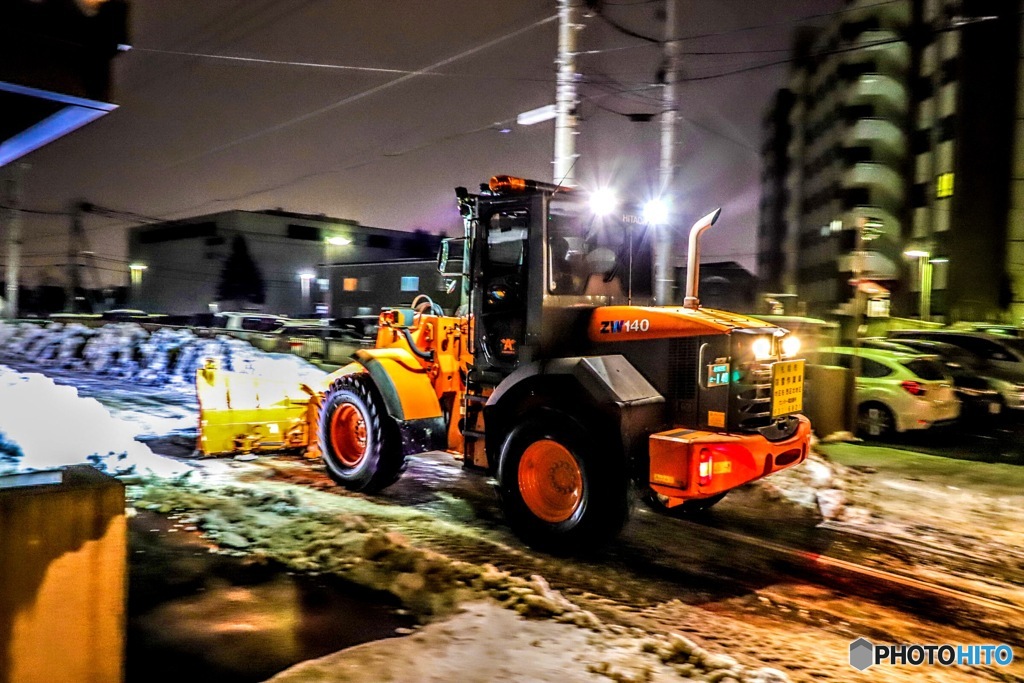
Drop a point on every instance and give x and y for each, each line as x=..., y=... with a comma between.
x=559, y=490
x=360, y=443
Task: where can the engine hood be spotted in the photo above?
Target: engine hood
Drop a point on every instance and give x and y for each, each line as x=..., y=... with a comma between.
x=630, y=323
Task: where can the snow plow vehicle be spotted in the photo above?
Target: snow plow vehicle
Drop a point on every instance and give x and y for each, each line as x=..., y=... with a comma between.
x=553, y=378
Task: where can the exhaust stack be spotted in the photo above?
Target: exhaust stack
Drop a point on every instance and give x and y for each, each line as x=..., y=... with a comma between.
x=693, y=258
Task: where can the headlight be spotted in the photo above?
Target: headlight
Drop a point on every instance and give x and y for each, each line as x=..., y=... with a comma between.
x=762, y=348
x=790, y=346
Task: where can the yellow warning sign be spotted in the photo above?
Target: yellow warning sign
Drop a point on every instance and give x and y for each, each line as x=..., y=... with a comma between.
x=787, y=387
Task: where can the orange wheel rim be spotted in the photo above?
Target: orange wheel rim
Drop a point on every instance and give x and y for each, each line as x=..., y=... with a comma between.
x=550, y=481
x=348, y=434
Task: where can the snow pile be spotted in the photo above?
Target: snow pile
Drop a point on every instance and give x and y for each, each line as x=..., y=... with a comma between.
x=167, y=356
x=354, y=538
x=45, y=425
x=816, y=483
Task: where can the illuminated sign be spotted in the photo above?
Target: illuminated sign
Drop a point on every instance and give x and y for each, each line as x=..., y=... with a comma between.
x=718, y=374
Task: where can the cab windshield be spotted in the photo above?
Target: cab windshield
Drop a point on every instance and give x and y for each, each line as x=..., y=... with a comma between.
x=598, y=255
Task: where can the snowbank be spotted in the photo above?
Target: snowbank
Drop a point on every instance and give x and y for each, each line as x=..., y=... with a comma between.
x=45, y=425
x=167, y=356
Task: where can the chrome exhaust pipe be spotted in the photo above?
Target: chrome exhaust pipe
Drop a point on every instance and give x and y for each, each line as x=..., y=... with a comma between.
x=693, y=258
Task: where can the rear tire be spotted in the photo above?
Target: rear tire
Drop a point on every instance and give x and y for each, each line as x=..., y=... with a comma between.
x=560, y=492
x=360, y=443
x=875, y=421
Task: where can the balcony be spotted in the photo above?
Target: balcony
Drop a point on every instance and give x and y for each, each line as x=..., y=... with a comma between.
x=873, y=265
x=883, y=185
x=885, y=140
x=886, y=95
x=881, y=224
x=885, y=49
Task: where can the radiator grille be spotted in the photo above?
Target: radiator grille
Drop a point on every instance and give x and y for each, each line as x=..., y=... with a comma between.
x=682, y=379
x=752, y=397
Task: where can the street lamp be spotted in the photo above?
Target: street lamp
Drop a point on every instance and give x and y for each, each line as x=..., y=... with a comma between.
x=924, y=270
x=136, y=270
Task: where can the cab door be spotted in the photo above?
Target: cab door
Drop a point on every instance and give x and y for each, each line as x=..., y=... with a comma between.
x=500, y=299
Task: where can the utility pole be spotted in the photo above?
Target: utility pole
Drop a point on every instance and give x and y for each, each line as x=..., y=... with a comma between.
x=565, y=96
x=11, y=218
x=76, y=238
x=859, y=303
x=662, y=242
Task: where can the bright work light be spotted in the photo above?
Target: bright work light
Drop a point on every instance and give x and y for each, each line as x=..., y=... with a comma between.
x=603, y=201
x=656, y=212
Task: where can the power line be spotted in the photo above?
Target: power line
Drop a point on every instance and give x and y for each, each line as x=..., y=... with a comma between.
x=365, y=93
x=648, y=41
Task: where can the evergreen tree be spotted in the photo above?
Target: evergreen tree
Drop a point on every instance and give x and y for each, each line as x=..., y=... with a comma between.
x=240, y=280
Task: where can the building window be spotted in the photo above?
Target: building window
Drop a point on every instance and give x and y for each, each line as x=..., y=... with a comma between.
x=350, y=284
x=304, y=232
x=410, y=283
x=947, y=127
x=921, y=141
x=923, y=87
x=944, y=185
x=947, y=72
x=919, y=195
x=856, y=112
x=855, y=196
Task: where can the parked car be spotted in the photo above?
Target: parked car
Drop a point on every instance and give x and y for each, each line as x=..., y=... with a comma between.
x=980, y=402
x=362, y=326
x=1000, y=360
x=896, y=392
x=992, y=328
x=315, y=343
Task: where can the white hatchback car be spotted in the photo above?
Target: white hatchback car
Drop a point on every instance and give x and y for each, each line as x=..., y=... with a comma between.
x=897, y=392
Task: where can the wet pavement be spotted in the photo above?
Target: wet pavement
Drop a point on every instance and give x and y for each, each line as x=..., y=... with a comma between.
x=200, y=616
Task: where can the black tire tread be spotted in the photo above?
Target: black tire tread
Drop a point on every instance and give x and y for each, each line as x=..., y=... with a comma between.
x=386, y=461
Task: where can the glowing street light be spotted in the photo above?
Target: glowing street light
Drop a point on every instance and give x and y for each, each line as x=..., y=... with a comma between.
x=136, y=270
x=338, y=241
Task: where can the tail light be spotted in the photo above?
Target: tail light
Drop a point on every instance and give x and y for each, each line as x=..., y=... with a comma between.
x=913, y=388
x=707, y=466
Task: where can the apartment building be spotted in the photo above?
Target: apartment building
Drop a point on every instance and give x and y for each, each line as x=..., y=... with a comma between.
x=894, y=162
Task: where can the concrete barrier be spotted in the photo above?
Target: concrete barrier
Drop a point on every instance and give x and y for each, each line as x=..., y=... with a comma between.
x=63, y=575
x=825, y=398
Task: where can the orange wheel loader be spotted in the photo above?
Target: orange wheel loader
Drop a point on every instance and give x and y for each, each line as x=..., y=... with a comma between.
x=555, y=377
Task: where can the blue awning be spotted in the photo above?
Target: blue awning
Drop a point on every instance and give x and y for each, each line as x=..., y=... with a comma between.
x=40, y=125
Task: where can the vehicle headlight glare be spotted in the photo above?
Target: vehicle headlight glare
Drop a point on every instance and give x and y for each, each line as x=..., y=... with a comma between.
x=762, y=348
x=790, y=346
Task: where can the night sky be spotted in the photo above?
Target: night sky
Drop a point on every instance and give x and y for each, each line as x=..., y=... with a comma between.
x=196, y=134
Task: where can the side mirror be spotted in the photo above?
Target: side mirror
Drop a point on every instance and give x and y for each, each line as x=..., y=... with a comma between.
x=450, y=256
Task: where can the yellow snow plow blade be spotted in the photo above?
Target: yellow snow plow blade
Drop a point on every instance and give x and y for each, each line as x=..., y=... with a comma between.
x=240, y=413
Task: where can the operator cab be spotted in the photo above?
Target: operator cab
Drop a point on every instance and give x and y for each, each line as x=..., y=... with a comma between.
x=541, y=259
